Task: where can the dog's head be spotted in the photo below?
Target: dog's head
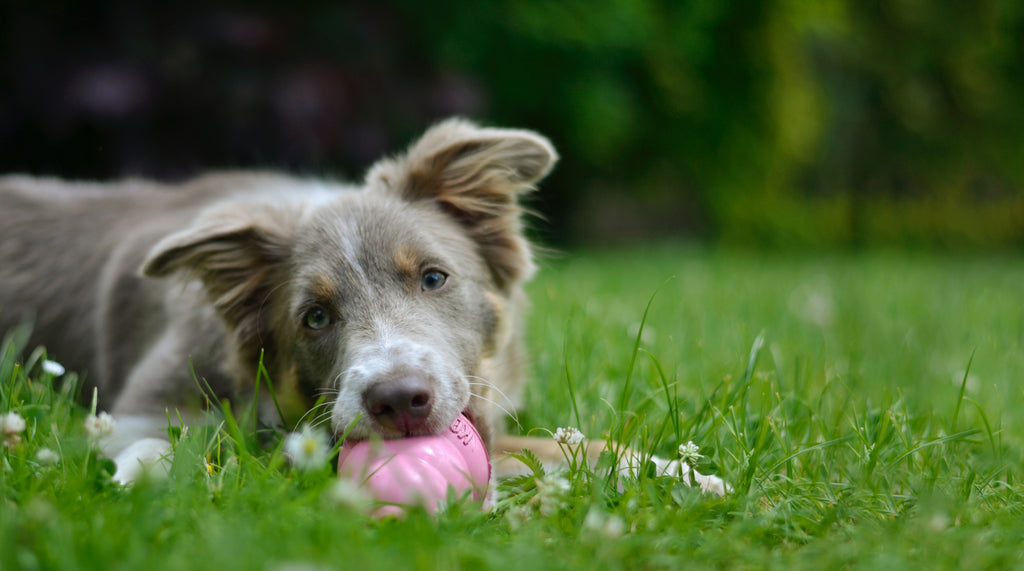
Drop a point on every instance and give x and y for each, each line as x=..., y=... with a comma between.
x=387, y=298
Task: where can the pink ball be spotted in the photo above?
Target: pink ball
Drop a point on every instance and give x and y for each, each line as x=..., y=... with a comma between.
x=419, y=470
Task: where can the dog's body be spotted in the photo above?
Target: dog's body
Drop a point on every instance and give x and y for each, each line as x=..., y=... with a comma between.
x=399, y=300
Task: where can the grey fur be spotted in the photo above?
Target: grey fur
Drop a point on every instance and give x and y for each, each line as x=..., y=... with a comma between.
x=135, y=282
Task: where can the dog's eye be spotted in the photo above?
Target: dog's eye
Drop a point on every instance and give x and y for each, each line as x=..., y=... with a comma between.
x=433, y=279
x=317, y=318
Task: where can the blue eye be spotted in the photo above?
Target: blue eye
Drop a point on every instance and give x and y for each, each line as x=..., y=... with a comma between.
x=317, y=318
x=433, y=280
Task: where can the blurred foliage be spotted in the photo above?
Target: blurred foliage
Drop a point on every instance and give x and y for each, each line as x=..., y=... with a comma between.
x=778, y=122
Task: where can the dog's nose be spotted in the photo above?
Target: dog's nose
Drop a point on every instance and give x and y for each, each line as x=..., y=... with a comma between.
x=401, y=404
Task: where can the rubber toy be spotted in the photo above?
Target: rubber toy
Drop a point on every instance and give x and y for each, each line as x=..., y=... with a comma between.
x=419, y=470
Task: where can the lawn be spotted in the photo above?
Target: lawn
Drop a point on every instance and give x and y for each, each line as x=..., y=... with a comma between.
x=865, y=409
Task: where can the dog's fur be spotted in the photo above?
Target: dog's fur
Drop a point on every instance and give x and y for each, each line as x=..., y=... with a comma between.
x=399, y=300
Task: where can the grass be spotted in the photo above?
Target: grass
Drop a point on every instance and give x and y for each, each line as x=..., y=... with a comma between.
x=866, y=410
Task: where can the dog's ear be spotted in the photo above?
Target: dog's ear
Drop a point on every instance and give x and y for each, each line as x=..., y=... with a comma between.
x=476, y=175
x=235, y=257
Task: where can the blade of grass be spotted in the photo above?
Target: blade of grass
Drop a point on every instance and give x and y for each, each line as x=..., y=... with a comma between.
x=569, y=377
x=262, y=374
x=963, y=388
x=930, y=443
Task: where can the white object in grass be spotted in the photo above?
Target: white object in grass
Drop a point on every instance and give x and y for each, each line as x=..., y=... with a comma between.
x=608, y=526
x=689, y=453
x=349, y=494
x=47, y=457
x=12, y=424
x=568, y=435
x=53, y=368
x=11, y=427
x=308, y=449
x=148, y=456
x=99, y=426
x=632, y=464
x=551, y=493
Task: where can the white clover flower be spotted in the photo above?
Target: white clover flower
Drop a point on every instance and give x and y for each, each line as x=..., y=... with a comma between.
x=568, y=435
x=99, y=426
x=554, y=485
x=517, y=516
x=47, y=457
x=11, y=424
x=614, y=527
x=551, y=492
x=689, y=453
x=608, y=526
x=938, y=522
x=594, y=519
x=348, y=494
x=308, y=449
x=53, y=368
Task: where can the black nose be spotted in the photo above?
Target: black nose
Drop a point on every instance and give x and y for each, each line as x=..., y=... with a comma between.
x=401, y=405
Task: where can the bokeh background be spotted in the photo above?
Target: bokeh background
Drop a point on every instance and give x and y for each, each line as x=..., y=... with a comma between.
x=772, y=124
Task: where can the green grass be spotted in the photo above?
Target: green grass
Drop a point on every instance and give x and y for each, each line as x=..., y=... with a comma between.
x=866, y=409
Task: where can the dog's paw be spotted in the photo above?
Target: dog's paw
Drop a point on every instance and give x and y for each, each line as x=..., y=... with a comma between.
x=708, y=484
x=148, y=456
x=678, y=469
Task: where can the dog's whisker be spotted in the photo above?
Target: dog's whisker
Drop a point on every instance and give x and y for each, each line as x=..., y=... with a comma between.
x=510, y=405
x=321, y=419
x=509, y=413
x=313, y=410
x=326, y=392
x=482, y=382
x=336, y=381
x=498, y=391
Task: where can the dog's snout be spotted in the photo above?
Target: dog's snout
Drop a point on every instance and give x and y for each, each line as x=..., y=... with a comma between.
x=402, y=404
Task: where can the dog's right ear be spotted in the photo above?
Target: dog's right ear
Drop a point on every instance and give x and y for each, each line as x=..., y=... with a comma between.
x=234, y=257
x=476, y=175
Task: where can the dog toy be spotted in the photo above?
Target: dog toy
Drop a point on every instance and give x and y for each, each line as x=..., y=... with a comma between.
x=419, y=470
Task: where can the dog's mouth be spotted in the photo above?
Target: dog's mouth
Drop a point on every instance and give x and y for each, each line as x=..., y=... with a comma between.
x=389, y=432
x=394, y=432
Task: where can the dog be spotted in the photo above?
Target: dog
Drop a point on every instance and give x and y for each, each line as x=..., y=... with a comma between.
x=397, y=304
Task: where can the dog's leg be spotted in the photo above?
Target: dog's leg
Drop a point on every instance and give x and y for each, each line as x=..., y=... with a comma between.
x=146, y=456
x=553, y=456
x=138, y=446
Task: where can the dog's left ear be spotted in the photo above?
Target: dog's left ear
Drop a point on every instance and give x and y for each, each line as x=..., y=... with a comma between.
x=234, y=254
x=476, y=175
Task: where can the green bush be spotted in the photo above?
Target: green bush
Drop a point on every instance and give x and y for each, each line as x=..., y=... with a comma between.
x=837, y=122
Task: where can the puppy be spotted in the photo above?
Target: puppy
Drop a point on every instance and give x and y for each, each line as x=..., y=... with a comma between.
x=398, y=302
